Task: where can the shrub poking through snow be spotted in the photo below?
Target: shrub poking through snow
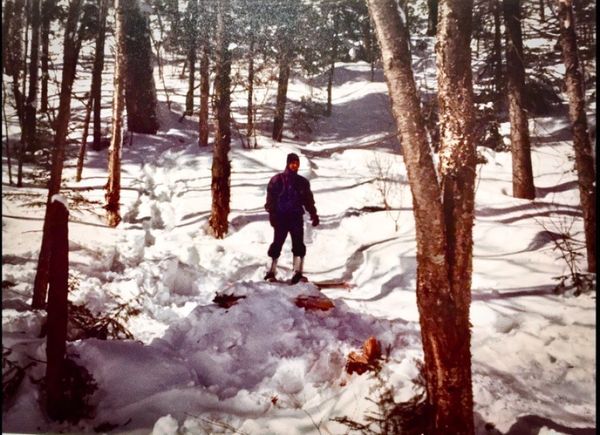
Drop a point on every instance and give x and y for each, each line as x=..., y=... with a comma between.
x=84, y=324
x=413, y=417
x=570, y=249
x=78, y=386
x=367, y=360
x=12, y=376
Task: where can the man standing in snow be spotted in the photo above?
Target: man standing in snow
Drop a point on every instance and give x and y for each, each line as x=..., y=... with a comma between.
x=288, y=196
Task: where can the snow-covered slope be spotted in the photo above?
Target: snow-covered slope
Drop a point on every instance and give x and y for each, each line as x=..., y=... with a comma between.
x=266, y=365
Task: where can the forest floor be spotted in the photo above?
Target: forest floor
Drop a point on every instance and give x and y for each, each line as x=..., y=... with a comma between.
x=266, y=365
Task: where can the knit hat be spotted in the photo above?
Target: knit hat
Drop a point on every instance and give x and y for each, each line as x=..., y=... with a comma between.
x=292, y=157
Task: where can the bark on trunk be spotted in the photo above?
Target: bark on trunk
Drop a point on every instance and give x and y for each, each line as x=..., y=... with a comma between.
x=523, y=186
x=57, y=310
x=8, y=151
x=47, y=7
x=97, y=75
x=250, y=114
x=30, y=124
x=71, y=52
x=113, y=187
x=330, y=89
x=282, y=85
x=189, y=100
x=13, y=26
x=497, y=56
x=454, y=400
x=221, y=167
x=432, y=17
x=7, y=16
x=140, y=90
x=334, y=54
x=82, y=148
x=584, y=158
x=443, y=294
x=203, y=124
x=190, y=24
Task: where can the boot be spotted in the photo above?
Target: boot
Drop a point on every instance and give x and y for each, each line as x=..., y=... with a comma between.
x=270, y=276
x=298, y=264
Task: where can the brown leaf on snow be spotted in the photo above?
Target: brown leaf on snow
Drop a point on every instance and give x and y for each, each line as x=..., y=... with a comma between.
x=360, y=363
x=314, y=303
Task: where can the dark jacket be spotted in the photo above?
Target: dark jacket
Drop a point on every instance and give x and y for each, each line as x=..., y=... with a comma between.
x=289, y=195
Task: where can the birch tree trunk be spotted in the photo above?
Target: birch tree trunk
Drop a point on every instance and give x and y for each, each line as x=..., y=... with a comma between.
x=97, y=75
x=72, y=45
x=519, y=129
x=584, y=158
x=113, y=187
x=443, y=210
x=221, y=167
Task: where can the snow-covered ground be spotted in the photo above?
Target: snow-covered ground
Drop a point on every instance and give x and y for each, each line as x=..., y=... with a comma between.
x=265, y=365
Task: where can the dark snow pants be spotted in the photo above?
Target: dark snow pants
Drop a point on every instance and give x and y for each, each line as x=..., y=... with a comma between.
x=284, y=225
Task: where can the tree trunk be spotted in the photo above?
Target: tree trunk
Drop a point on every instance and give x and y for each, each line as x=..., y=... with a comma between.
x=12, y=27
x=542, y=5
x=432, y=17
x=23, y=94
x=282, y=85
x=7, y=16
x=140, y=90
x=454, y=400
x=47, y=8
x=203, y=124
x=29, y=126
x=97, y=75
x=113, y=187
x=250, y=114
x=367, y=34
x=334, y=54
x=57, y=309
x=497, y=56
x=86, y=125
x=519, y=129
x=71, y=52
x=221, y=167
x=584, y=157
x=8, y=157
x=443, y=234
x=190, y=26
x=189, y=100
x=330, y=74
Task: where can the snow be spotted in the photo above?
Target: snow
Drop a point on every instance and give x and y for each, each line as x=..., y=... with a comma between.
x=266, y=365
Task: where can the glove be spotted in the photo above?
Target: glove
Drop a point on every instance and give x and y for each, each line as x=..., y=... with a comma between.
x=315, y=220
x=272, y=219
